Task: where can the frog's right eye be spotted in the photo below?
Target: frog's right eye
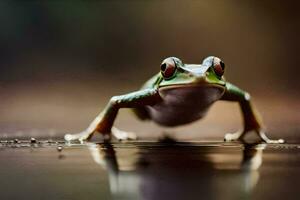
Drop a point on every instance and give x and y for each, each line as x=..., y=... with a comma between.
x=218, y=66
x=168, y=68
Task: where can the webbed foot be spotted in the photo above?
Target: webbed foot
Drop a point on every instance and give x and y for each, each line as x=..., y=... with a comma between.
x=234, y=136
x=261, y=134
x=123, y=135
x=265, y=139
x=82, y=136
x=86, y=135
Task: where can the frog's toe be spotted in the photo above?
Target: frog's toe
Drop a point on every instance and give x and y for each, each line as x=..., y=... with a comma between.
x=269, y=141
x=233, y=136
x=68, y=137
x=131, y=136
x=265, y=139
x=83, y=136
x=279, y=141
x=123, y=135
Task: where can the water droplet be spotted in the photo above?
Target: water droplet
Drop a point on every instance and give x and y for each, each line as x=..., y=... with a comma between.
x=59, y=148
x=32, y=140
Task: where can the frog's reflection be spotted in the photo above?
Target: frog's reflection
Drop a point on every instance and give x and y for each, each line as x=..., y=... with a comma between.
x=180, y=171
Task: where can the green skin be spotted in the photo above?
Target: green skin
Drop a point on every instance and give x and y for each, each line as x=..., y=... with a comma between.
x=181, y=96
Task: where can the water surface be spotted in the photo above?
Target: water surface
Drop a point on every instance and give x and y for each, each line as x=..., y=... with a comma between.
x=147, y=170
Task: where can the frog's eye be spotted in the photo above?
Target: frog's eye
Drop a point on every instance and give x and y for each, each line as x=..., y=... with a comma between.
x=218, y=66
x=168, y=68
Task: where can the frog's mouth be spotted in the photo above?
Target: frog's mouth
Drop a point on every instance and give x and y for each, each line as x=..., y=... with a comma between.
x=191, y=97
x=192, y=86
x=192, y=92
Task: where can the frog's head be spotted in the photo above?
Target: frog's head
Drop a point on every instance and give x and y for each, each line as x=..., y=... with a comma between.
x=175, y=73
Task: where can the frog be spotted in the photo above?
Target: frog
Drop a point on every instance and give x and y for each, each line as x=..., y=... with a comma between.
x=177, y=95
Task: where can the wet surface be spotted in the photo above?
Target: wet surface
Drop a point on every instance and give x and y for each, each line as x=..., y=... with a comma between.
x=35, y=169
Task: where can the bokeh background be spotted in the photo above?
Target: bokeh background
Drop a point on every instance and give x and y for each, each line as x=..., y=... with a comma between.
x=60, y=61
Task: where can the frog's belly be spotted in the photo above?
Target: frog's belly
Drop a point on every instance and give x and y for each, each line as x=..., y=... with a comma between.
x=183, y=105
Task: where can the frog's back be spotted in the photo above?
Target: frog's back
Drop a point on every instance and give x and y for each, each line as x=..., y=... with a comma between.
x=152, y=82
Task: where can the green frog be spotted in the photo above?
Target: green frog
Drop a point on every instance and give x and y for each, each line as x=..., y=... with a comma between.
x=179, y=94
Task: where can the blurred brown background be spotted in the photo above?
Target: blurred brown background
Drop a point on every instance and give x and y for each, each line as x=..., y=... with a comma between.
x=60, y=61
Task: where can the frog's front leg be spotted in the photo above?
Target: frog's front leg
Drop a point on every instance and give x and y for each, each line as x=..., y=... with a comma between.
x=103, y=123
x=252, y=119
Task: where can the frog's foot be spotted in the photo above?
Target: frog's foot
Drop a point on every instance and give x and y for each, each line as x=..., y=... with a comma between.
x=234, y=136
x=123, y=135
x=240, y=136
x=265, y=139
x=83, y=136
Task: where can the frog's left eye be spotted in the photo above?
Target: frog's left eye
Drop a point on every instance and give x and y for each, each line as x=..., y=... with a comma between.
x=168, y=68
x=218, y=66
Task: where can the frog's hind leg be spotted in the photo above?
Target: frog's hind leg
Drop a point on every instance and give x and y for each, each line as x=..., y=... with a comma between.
x=252, y=119
x=141, y=113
